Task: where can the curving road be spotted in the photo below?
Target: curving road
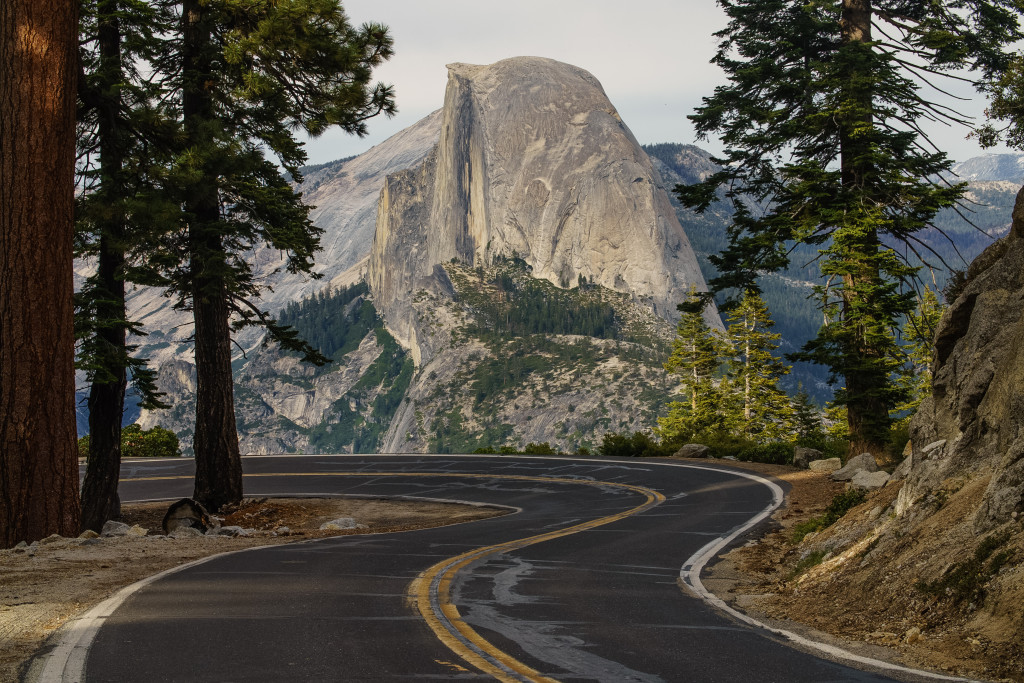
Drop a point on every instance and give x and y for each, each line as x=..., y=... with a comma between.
x=583, y=583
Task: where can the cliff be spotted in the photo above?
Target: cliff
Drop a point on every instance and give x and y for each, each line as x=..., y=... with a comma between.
x=532, y=161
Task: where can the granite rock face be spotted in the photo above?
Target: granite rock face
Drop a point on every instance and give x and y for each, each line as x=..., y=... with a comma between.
x=532, y=161
x=973, y=423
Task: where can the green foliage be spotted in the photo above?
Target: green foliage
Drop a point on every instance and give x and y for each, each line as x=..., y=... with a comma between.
x=965, y=581
x=811, y=559
x=635, y=445
x=840, y=505
x=142, y=443
x=775, y=453
x=333, y=321
x=539, y=449
x=822, y=147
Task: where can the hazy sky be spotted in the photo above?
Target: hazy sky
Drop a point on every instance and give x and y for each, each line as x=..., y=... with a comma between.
x=651, y=56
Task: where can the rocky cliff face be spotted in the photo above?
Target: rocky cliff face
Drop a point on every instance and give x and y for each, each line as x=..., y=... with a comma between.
x=973, y=424
x=532, y=161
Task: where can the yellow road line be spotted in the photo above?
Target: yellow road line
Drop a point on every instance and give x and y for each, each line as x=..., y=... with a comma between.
x=430, y=592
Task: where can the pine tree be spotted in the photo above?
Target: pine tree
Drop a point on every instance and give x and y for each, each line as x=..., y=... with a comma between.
x=820, y=120
x=764, y=410
x=38, y=446
x=246, y=74
x=123, y=140
x=918, y=335
x=696, y=356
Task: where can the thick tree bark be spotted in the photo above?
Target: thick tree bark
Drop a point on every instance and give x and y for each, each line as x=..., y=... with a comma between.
x=38, y=436
x=867, y=415
x=100, y=501
x=218, y=463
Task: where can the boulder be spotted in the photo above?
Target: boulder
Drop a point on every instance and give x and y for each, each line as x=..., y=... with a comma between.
x=52, y=538
x=693, y=450
x=188, y=513
x=865, y=462
x=231, y=531
x=827, y=465
x=903, y=469
x=87, y=534
x=185, y=532
x=802, y=456
x=341, y=523
x=112, y=528
x=868, y=481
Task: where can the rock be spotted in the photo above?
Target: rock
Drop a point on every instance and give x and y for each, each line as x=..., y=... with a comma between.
x=912, y=635
x=137, y=530
x=187, y=513
x=903, y=469
x=51, y=539
x=21, y=545
x=868, y=481
x=231, y=531
x=341, y=523
x=88, y=533
x=283, y=531
x=865, y=462
x=112, y=528
x=827, y=465
x=512, y=173
x=693, y=450
x=185, y=532
x=803, y=456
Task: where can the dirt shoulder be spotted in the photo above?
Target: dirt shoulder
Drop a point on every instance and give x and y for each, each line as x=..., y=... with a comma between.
x=53, y=581
x=885, y=586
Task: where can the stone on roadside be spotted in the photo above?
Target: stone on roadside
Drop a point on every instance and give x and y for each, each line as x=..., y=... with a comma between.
x=88, y=533
x=693, y=450
x=112, y=528
x=869, y=481
x=340, y=524
x=827, y=465
x=188, y=513
x=52, y=538
x=137, y=530
x=185, y=532
x=230, y=531
x=865, y=462
x=802, y=456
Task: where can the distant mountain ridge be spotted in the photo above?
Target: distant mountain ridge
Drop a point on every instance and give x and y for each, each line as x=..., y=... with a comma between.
x=992, y=167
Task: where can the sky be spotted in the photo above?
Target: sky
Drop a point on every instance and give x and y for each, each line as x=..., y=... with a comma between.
x=651, y=56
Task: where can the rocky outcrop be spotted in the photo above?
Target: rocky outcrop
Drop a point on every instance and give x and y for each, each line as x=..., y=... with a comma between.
x=532, y=161
x=973, y=424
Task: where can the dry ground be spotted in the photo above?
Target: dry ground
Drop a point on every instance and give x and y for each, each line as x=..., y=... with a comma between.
x=45, y=585
x=865, y=590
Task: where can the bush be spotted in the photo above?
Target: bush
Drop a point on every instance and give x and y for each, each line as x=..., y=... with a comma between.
x=150, y=443
x=635, y=445
x=966, y=580
x=776, y=453
x=138, y=443
x=840, y=505
x=539, y=449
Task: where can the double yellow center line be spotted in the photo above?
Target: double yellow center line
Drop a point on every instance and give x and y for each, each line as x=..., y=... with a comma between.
x=430, y=592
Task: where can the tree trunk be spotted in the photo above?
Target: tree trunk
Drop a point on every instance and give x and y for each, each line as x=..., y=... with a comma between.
x=867, y=415
x=100, y=501
x=38, y=435
x=218, y=464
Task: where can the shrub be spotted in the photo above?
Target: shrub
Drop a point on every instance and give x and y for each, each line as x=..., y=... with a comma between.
x=776, y=453
x=138, y=443
x=150, y=443
x=840, y=505
x=539, y=449
x=966, y=580
x=635, y=445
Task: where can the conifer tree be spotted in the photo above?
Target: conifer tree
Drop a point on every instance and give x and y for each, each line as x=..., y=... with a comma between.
x=918, y=335
x=246, y=74
x=821, y=124
x=764, y=410
x=696, y=356
x=123, y=141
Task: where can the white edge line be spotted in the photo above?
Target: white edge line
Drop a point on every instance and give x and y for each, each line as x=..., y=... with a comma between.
x=690, y=575
x=80, y=636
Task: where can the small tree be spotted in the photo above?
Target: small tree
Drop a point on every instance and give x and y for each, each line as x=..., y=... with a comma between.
x=696, y=356
x=765, y=411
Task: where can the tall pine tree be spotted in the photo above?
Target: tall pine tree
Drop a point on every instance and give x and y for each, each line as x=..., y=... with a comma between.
x=123, y=142
x=821, y=124
x=246, y=74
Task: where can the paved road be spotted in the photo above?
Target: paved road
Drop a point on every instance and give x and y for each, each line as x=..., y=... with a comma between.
x=582, y=584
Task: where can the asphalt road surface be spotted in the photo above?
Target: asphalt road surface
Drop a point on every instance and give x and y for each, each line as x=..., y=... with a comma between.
x=582, y=583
